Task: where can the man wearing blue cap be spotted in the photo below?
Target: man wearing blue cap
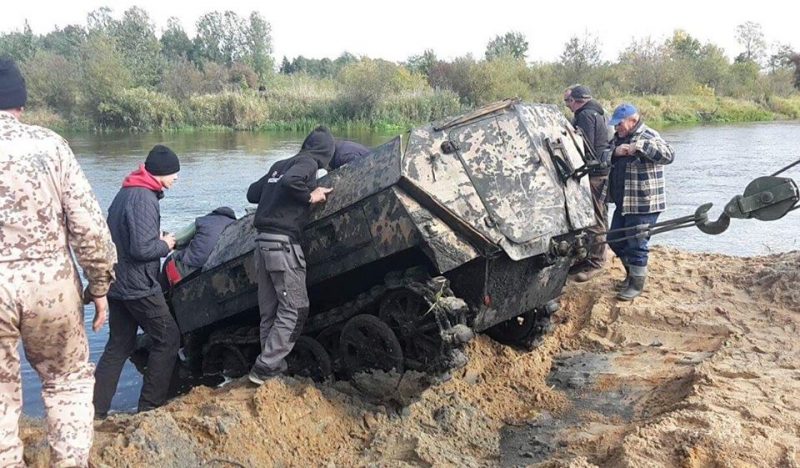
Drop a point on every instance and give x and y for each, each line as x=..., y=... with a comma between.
x=637, y=189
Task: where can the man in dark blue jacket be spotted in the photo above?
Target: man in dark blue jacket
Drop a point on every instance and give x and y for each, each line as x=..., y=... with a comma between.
x=135, y=298
x=285, y=196
x=192, y=256
x=347, y=152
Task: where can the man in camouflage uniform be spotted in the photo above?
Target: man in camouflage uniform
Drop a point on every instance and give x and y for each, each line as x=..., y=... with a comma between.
x=46, y=207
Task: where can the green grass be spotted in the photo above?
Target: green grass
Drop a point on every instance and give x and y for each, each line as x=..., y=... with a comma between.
x=299, y=105
x=682, y=110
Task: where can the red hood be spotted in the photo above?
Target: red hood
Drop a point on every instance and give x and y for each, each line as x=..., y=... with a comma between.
x=141, y=178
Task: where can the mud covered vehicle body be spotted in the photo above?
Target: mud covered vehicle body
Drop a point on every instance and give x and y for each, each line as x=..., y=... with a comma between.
x=469, y=225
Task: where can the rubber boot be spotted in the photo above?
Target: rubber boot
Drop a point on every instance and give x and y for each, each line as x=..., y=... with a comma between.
x=623, y=285
x=638, y=275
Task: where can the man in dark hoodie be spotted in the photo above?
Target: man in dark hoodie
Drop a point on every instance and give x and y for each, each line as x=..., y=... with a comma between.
x=285, y=196
x=135, y=298
x=591, y=121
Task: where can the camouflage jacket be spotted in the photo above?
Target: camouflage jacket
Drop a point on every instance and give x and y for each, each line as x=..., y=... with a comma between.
x=640, y=179
x=47, y=204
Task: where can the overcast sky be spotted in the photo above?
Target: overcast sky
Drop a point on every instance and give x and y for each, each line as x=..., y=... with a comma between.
x=394, y=30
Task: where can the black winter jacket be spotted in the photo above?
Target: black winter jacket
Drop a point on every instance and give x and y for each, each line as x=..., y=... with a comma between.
x=592, y=121
x=207, y=231
x=135, y=223
x=283, y=194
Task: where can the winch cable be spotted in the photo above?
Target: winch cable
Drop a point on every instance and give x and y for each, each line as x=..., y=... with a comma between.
x=699, y=218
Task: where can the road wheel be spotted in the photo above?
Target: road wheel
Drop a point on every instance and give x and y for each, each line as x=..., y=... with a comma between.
x=410, y=318
x=366, y=343
x=309, y=359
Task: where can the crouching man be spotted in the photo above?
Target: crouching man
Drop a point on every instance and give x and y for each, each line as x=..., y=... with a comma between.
x=191, y=253
x=285, y=196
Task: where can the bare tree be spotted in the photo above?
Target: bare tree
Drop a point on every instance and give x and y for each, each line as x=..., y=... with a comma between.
x=750, y=36
x=579, y=56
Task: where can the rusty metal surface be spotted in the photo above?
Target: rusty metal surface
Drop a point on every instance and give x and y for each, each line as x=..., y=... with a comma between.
x=517, y=287
x=370, y=230
x=237, y=239
x=220, y=292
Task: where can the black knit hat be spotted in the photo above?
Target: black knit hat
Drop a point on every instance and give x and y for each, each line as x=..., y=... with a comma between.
x=12, y=86
x=162, y=161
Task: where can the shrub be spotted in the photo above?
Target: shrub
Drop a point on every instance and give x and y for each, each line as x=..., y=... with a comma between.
x=365, y=84
x=412, y=108
x=299, y=98
x=237, y=110
x=44, y=117
x=786, y=107
x=140, y=109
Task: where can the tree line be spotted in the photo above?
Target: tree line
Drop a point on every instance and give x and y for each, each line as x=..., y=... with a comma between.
x=120, y=72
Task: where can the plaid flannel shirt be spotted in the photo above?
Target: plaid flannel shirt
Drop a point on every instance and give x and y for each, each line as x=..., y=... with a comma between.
x=644, y=174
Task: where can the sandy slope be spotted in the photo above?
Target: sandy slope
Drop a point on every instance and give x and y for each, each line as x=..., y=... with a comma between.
x=703, y=370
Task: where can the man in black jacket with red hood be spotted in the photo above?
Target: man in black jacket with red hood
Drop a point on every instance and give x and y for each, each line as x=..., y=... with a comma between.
x=135, y=298
x=285, y=196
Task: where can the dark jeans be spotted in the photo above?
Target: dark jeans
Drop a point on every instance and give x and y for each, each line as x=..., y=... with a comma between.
x=152, y=315
x=630, y=251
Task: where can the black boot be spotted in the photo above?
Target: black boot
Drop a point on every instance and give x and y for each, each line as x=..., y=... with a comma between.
x=638, y=275
x=623, y=285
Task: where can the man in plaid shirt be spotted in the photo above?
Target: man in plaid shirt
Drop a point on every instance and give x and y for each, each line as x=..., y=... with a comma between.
x=637, y=189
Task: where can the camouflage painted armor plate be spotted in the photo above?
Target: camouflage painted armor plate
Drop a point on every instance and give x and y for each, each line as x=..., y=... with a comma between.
x=489, y=200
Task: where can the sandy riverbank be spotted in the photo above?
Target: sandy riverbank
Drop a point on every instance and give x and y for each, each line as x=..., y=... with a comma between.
x=703, y=370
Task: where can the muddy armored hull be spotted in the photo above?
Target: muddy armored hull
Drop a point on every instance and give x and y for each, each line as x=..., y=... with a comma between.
x=466, y=225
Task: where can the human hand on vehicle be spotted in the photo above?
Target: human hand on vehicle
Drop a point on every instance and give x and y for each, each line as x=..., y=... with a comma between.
x=319, y=195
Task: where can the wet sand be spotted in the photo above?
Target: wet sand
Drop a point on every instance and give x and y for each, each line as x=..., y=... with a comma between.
x=702, y=370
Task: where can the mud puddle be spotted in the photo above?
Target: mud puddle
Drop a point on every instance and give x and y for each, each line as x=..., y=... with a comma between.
x=605, y=402
x=590, y=410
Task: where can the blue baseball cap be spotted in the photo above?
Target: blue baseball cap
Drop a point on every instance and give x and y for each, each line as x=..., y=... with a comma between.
x=622, y=112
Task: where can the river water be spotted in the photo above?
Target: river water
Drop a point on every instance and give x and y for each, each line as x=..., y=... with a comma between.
x=712, y=165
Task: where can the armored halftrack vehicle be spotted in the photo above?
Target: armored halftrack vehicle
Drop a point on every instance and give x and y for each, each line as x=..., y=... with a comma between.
x=463, y=226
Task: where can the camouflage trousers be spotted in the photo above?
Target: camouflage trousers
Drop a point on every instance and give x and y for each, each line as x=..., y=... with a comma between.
x=40, y=302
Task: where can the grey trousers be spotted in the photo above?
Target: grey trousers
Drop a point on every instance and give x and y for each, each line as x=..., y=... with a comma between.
x=282, y=299
x=597, y=254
